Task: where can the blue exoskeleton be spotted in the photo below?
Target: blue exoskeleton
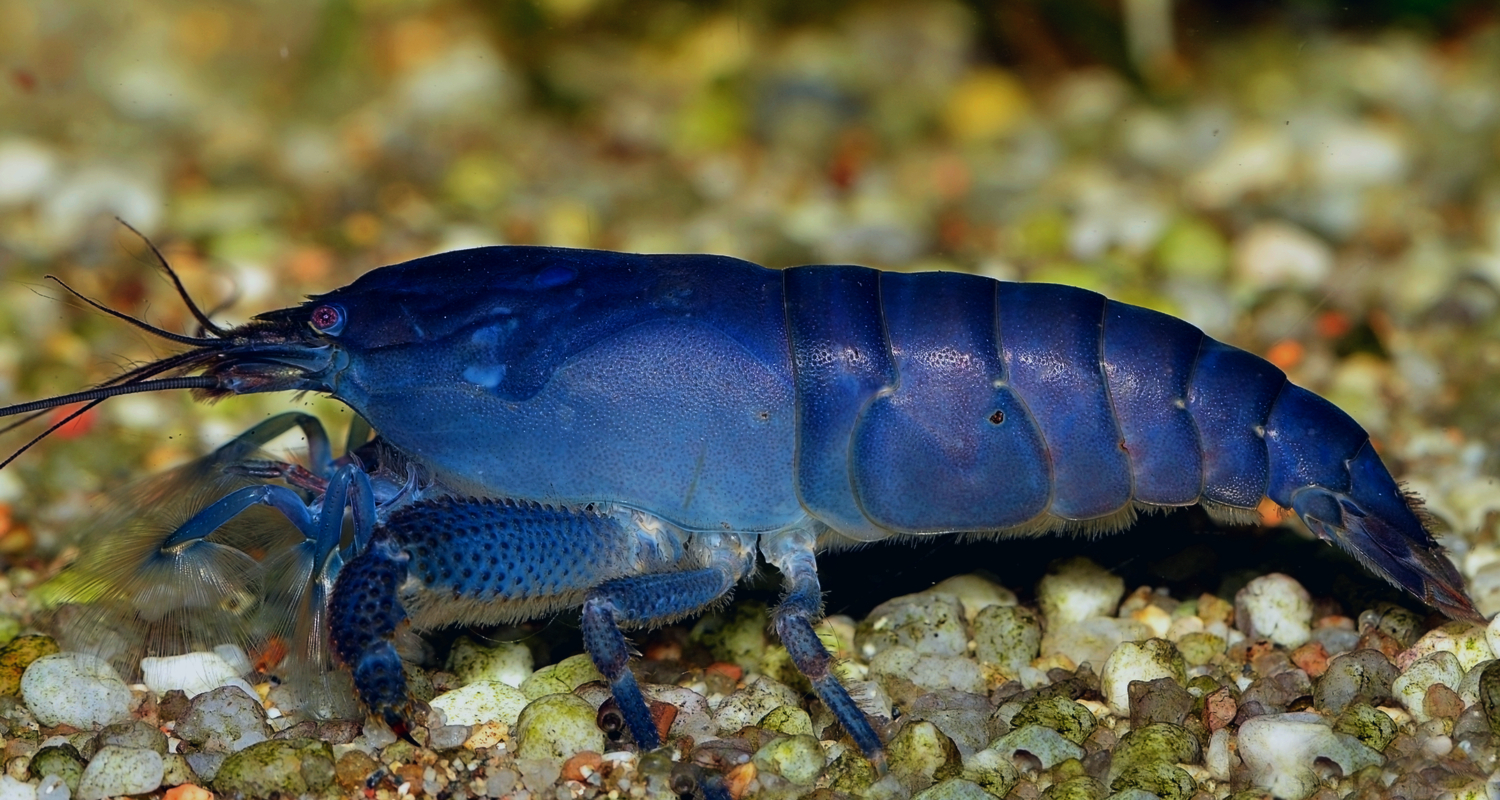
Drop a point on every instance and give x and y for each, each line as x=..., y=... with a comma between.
x=633, y=433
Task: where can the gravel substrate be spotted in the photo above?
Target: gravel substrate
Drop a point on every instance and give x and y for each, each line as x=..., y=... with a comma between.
x=1329, y=200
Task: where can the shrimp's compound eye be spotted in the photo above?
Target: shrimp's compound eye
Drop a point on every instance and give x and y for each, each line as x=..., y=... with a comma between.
x=328, y=319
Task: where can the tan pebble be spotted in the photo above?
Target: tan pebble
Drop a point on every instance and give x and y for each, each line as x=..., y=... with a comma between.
x=739, y=780
x=1441, y=701
x=486, y=734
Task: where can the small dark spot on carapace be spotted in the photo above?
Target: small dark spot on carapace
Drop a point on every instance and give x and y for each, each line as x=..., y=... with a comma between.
x=763, y=415
x=997, y=417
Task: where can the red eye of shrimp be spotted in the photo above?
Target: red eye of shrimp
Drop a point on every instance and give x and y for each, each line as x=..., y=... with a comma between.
x=328, y=319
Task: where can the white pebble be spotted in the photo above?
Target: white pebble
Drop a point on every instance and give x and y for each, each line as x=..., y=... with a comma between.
x=1092, y=640
x=115, y=771
x=1279, y=254
x=975, y=593
x=193, y=673
x=1411, y=688
x=507, y=662
x=26, y=168
x=1279, y=751
x=1466, y=640
x=1144, y=661
x=75, y=689
x=1218, y=758
x=12, y=789
x=482, y=701
x=1276, y=607
x=1077, y=589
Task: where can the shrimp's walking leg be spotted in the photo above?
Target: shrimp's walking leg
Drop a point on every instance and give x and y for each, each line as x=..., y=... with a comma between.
x=645, y=601
x=792, y=552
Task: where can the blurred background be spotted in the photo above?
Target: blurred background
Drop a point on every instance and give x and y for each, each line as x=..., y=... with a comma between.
x=1312, y=180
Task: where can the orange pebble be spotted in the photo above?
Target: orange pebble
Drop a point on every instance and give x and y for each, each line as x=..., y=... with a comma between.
x=1286, y=354
x=188, y=791
x=1312, y=658
x=581, y=766
x=731, y=671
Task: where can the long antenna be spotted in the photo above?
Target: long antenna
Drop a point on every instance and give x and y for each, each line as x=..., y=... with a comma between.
x=187, y=299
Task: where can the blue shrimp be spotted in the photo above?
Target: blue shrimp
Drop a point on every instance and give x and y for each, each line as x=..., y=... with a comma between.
x=630, y=433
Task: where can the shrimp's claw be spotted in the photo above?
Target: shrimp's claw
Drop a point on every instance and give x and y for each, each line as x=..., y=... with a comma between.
x=1383, y=528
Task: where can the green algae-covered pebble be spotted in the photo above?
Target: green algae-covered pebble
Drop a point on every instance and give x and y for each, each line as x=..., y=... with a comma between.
x=799, y=759
x=560, y=678
x=954, y=789
x=1167, y=781
x=10, y=628
x=1158, y=743
x=851, y=773
x=1200, y=647
x=1068, y=718
x=920, y=750
x=176, y=771
x=1489, y=695
x=1082, y=788
x=993, y=771
x=17, y=655
x=281, y=766
x=557, y=726
x=789, y=720
x=1009, y=637
x=62, y=760
x=1367, y=724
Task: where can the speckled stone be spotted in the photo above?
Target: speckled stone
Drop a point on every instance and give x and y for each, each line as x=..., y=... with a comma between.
x=1076, y=589
x=75, y=689
x=738, y=636
x=991, y=770
x=975, y=593
x=62, y=760
x=1465, y=640
x=790, y=720
x=285, y=766
x=751, y=703
x=557, y=726
x=954, y=789
x=224, y=720
x=115, y=771
x=1007, y=636
x=509, y=663
x=17, y=654
x=1412, y=685
x=930, y=624
x=480, y=702
x=560, y=678
x=799, y=759
x=1143, y=661
x=920, y=755
x=1368, y=724
x=1361, y=674
x=1068, y=718
x=1157, y=744
x=1275, y=607
x=1049, y=746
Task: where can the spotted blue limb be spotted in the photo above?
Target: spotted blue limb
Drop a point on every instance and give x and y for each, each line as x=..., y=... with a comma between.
x=792, y=552
x=643, y=602
x=483, y=560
